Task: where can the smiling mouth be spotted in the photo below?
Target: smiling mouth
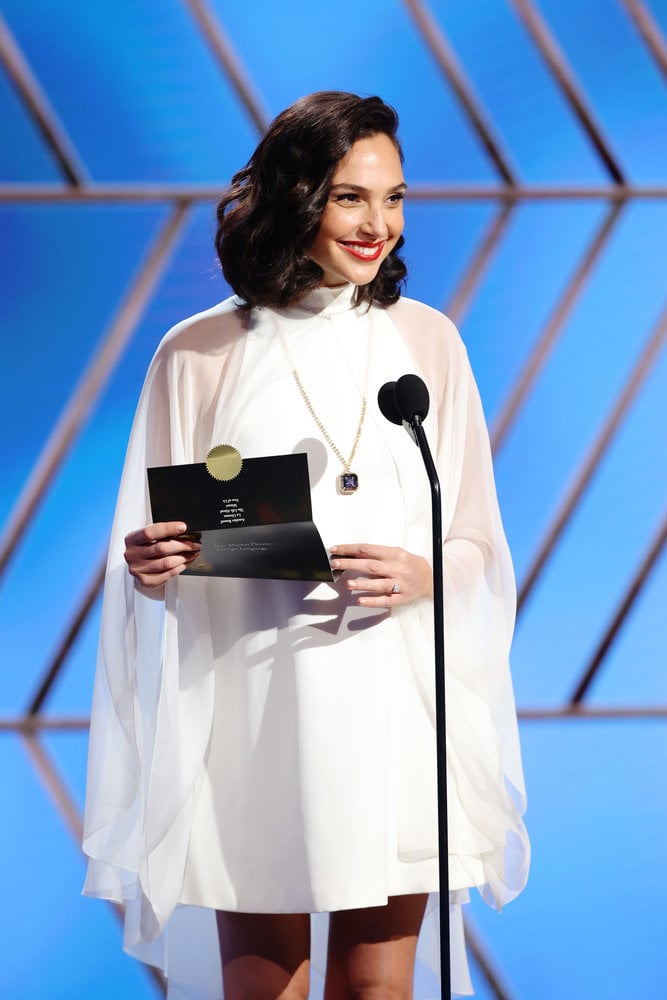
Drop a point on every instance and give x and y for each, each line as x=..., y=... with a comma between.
x=364, y=251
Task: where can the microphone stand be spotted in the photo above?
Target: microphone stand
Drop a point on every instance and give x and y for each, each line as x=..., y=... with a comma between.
x=416, y=431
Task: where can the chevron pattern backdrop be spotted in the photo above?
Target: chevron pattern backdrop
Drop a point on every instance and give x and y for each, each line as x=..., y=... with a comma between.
x=536, y=140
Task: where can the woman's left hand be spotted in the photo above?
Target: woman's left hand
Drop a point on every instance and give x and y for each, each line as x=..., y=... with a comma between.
x=385, y=577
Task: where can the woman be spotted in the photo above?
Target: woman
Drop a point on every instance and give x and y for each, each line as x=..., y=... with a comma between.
x=265, y=750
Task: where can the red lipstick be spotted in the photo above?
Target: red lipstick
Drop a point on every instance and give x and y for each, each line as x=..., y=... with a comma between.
x=363, y=251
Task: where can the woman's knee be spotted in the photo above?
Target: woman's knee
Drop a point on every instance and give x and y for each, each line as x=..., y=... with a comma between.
x=384, y=990
x=372, y=951
x=265, y=956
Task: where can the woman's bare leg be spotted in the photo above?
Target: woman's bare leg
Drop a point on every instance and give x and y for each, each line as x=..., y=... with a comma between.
x=265, y=956
x=372, y=951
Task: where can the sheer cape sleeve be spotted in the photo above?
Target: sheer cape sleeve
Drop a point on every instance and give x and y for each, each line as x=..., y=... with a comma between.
x=488, y=843
x=153, y=693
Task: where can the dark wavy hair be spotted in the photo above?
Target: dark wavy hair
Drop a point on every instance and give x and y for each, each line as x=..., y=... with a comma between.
x=270, y=215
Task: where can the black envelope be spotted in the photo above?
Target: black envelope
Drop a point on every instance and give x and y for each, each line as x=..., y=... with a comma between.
x=259, y=524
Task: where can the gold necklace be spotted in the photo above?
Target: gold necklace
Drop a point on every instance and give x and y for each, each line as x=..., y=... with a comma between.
x=347, y=482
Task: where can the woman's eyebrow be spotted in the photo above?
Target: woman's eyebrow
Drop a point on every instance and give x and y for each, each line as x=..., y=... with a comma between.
x=359, y=187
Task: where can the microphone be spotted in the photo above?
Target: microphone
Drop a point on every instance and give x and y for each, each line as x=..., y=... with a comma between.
x=387, y=403
x=411, y=396
x=405, y=402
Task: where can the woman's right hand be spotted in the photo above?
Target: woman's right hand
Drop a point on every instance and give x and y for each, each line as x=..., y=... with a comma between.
x=154, y=554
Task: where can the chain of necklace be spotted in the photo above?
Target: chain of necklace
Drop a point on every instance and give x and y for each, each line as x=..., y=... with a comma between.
x=348, y=481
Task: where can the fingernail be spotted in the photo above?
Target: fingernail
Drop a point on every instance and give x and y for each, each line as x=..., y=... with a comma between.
x=334, y=548
x=335, y=563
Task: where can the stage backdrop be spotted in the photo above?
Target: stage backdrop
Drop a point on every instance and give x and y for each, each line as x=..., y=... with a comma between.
x=536, y=152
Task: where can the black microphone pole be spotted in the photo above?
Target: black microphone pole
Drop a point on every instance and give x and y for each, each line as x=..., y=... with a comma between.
x=406, y=402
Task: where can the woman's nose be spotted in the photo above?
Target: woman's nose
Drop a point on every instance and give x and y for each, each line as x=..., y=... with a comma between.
x=374, y=223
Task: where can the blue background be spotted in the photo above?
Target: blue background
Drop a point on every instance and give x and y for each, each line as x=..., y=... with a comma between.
x=139, y=93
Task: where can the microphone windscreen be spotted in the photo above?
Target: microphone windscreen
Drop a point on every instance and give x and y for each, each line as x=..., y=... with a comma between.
x=411, y=397
x=387, y=403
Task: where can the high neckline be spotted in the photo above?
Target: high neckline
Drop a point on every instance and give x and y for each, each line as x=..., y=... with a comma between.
x=325, y=301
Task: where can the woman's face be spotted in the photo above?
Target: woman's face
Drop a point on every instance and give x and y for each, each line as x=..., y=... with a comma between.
x=363, y=217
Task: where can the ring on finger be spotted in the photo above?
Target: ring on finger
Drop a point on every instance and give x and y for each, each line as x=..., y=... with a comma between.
x=396, y=589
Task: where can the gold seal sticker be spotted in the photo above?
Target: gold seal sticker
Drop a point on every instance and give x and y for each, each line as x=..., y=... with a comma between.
x=224, y=462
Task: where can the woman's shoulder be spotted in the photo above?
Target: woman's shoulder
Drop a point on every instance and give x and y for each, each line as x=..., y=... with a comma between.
x=430, y=335
x=433, y=320
x=212, y=331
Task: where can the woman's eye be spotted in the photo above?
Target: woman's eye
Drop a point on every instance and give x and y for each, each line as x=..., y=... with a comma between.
x=349, y=197
x=397, y=197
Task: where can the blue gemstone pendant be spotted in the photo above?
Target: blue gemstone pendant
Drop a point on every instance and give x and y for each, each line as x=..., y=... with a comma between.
x=347, y=482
